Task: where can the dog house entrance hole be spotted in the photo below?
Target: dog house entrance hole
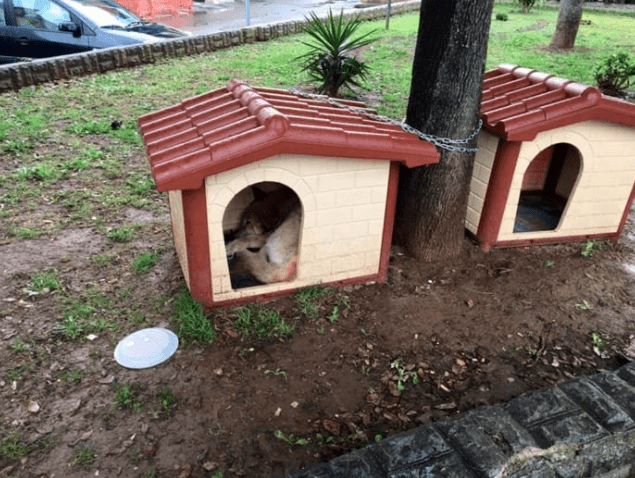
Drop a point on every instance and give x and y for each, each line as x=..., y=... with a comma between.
x=547, y=186
x=261, y=226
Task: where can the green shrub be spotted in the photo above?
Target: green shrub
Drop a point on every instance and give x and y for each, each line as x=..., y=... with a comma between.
x=614, y=74
x=330, y=60
x=503, y=17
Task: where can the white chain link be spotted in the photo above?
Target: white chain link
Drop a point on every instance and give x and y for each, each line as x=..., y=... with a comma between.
x=449, y=144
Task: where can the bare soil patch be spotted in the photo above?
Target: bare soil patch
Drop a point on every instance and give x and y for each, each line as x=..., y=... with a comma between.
x=475, y=331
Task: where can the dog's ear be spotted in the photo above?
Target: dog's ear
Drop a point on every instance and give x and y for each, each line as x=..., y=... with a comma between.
x=258, y=193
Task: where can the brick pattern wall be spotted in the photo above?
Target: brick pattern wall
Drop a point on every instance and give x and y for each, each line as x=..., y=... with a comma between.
x=487, y=146
x=343, y=203
x=20, y=75
x=178, y=231
x=600, y=196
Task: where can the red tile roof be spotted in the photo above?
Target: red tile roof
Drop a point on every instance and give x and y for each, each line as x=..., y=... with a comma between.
x=239, y=124
x=518, y=103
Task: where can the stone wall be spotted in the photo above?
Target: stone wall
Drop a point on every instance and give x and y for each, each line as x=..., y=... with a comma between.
x=19, y=75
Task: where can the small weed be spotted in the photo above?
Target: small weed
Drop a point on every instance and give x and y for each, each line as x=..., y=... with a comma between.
x=151, y=472
x=378, y=437
x=41, y=172
x=335, y=314
x=403, y=375
x=43, y=282
x=590, y=246
x=126, y=397
x=12, y=446
x=322, y=440
x=278, y=373
x=550, y=264
x=122, y=234
x=84, y=456
x=145, y=261
x=257, y=321
x=307, y=300
x=584, y=305
x=18, y=345
x=190, y=321
x=530, y=351
x=25, y=233
x=85, y=127
x=73, y=376
x=166, y=399
x=598, y=341
x=290, y=439
x=102, y=260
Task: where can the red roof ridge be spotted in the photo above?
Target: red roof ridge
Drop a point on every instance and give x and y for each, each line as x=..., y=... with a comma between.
x=233, y=126
x=519, y=102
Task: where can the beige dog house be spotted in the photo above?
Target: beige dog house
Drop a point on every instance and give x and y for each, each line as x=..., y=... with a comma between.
x=556, y=161
x=209, y=150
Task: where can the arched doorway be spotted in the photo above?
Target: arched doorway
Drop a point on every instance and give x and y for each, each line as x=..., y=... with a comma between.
x=261, y=227
x=547, y=186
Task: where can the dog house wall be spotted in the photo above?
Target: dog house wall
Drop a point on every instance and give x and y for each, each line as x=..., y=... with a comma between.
x=343, y=202
x=526, y=113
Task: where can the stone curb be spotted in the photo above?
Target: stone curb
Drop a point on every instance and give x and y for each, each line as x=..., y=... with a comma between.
x=29, y=73
x=584, y=427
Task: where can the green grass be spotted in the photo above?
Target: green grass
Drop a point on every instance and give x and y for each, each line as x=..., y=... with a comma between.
x=259, y=322
x=127, y=397
x=307, y=300
x=190, y=322
x=92, y=312
x=13, y=446
x=42, y=282
x=145, y=261
x=84, y=456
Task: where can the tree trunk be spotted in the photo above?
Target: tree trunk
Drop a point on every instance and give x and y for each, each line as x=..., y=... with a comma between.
x=445, y=96
x=569, y=17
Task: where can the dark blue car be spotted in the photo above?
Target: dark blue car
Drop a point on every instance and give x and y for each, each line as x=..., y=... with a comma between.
x=45, y=28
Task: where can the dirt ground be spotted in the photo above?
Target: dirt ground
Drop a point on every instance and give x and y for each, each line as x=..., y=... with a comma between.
x=475, y=331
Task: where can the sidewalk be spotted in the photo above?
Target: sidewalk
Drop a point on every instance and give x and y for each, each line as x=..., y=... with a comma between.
x=583, y=428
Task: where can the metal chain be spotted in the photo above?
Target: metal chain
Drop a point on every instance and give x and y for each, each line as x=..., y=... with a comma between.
x=449, y=144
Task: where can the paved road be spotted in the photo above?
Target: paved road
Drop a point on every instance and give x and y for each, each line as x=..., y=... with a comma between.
x=220, y=15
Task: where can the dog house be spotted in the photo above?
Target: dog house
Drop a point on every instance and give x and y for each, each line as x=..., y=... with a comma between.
x=556, y=161
x=208, y=152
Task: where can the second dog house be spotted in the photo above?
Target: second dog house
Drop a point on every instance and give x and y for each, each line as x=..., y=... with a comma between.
x=556, y=161
x=209, y=151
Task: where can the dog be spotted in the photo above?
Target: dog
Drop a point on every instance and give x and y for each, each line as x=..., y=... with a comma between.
x=269, y=257
x=267, y=211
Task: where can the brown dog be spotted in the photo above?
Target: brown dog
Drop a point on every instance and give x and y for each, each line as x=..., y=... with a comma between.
x=267, y=211
x=270, y=257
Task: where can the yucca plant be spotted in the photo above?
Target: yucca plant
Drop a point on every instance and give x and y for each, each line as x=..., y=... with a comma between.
x=330, y=60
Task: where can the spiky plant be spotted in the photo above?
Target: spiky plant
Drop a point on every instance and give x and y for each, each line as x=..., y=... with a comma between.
x=330, y=60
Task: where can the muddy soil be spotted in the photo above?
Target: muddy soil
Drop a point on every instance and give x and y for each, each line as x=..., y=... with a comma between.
x=473, y=331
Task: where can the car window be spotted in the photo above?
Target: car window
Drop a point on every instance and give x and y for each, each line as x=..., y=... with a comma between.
x=105, y=13
x=2, y=21
x=40, y=14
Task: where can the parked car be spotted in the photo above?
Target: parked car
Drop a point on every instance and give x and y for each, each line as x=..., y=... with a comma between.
x=46, y=28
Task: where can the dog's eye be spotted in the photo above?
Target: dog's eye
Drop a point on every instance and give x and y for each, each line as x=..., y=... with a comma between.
x=253, y=249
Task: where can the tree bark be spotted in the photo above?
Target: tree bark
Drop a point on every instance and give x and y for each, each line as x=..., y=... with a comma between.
x=569, y=16
x=445, y=97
